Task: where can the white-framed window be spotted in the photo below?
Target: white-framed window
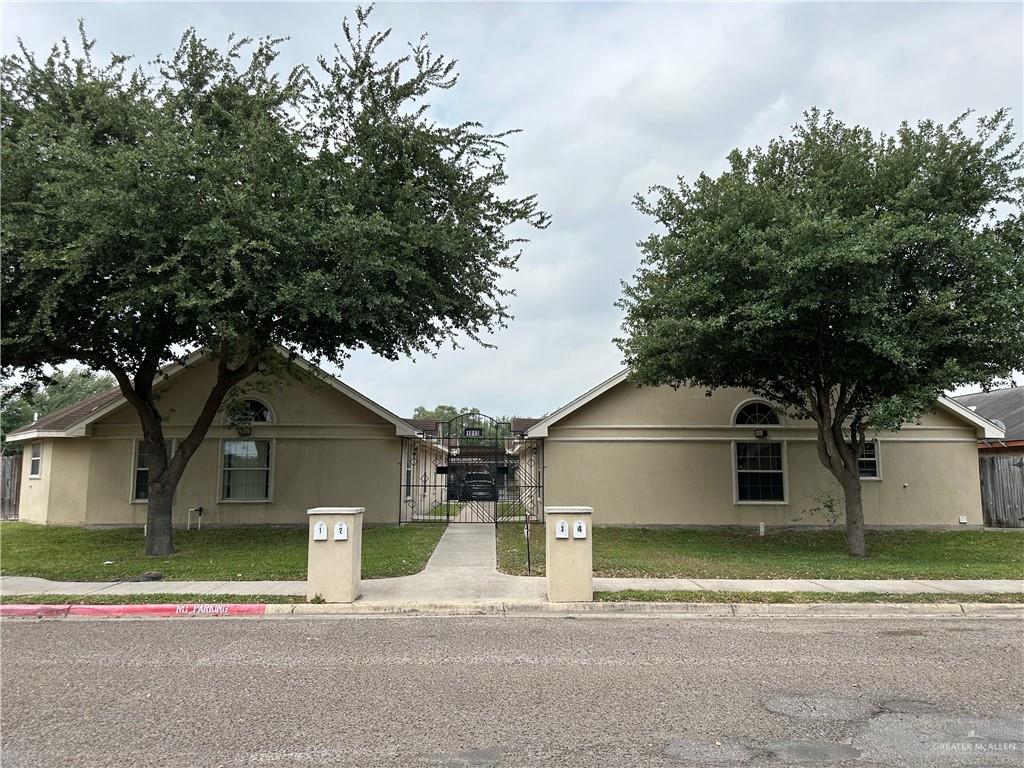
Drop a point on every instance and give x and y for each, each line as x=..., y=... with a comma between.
x=140, y=469
x=756, y=413
x=869, y=461
x=245, y=470
x=760, y=472
x=35, y=460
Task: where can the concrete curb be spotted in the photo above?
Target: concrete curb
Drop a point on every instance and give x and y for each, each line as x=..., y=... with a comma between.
x=165, y=610
x=531, y=608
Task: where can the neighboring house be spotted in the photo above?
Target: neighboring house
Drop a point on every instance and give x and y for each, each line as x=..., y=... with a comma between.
x=1001, y=460
x=638, y=456
x=1004, y=408
x=312, y=442
x=656, y=455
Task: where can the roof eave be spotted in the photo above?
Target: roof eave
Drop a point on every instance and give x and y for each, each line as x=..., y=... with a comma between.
x=983, y=427
x=540, y=429
x=36, y=434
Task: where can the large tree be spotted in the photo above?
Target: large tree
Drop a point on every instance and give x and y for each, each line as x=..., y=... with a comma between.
x=441, y=412
x=214, y=201
x=848, y=277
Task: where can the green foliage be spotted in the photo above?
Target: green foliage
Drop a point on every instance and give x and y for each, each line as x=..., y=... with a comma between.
x=215, y=198
x=214, y=201
x=499, y=429
x=873, y=273
x=59, y=389
x=827, y=507
x=441, y=412
x=214, y=554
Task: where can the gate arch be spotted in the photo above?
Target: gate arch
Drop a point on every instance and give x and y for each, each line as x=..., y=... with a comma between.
x=471, y=469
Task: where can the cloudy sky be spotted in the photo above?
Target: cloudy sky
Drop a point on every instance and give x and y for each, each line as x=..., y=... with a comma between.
x=611, y=98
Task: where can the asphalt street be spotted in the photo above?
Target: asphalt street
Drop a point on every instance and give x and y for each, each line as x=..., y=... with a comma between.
x=604, y=690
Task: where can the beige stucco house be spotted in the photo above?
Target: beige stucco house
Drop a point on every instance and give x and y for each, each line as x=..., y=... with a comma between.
x=638, y=456
x=313, y=441
x=660, y=456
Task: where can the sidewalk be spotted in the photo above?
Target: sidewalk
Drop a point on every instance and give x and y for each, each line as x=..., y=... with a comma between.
x=463, y=570
x=464, y=585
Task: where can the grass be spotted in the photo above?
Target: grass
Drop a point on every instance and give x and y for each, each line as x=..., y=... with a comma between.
x=684, y=596
x=144, y=599
x=442, y=510
x=213, y=554
x=734, y=553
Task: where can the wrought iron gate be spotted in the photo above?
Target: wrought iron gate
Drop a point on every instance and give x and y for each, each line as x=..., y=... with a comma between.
x=472, y=469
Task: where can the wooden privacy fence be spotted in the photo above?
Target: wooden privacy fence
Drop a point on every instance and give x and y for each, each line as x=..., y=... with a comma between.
x=10, y=485
x=1002, y=491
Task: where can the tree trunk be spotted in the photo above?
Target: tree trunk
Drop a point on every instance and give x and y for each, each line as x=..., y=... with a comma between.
x=854, y=516
x=159, y=537
x=166, y=470
x=839, y=455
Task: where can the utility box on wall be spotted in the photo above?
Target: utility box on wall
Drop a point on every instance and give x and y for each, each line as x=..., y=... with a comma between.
x=569, y=554
x=335, y=553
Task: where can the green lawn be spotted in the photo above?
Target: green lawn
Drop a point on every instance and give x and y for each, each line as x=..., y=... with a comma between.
x=732, y=553
x=684, y=596
x=443, y=510
x=228, y=554
x=145, y=599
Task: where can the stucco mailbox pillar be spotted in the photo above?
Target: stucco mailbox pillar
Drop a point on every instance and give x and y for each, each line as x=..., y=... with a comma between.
x=335, y=553
x=569, y=554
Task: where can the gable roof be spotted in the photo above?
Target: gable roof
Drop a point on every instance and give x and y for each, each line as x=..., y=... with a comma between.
x=1005, y=405
x=984, y=427
x=69, y=415
x=72, y=420
x=540, y=429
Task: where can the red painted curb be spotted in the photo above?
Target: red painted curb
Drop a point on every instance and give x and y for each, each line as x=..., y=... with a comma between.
x=152, y=609
x=34, y=611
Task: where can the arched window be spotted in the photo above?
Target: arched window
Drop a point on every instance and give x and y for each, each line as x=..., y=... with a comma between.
x=247, y=412
x=758, y=413
x=258, y=411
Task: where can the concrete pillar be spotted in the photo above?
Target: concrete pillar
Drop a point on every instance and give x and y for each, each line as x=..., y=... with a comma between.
x=569, y=554
x=335, y=553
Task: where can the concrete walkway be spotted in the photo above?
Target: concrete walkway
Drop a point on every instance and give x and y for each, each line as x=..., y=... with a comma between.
x=463, y=569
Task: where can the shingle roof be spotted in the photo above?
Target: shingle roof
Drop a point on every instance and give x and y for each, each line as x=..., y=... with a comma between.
x=424, y=425
x=1006, y=405
x=69, y=415
x=520, y=424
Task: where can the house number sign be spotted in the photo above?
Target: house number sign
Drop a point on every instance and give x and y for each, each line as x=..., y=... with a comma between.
x=320, y=531
x=562, y=529
x=341, y=531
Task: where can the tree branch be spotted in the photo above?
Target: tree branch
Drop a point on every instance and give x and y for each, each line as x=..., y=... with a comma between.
x=226, y=379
